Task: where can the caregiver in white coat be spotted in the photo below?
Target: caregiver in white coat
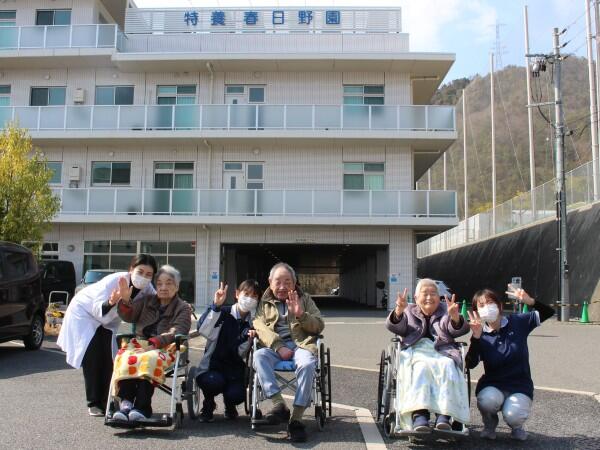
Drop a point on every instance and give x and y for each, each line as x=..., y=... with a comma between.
x=90, y=323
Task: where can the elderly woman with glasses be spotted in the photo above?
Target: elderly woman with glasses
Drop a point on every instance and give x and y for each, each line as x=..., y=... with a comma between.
x=142, y=362
x=430, y=366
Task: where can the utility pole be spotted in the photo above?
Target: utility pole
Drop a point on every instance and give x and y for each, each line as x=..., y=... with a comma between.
x=559, y=140
x=464, y=108
x=428, y=179
x=530, y=119
x=597, y=24
x=493, y=143
x=445, y=173
x=593, y=99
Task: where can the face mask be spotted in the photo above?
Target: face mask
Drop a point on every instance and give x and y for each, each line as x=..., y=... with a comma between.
x=139, y=281
x=247, y=304
x=488, y=313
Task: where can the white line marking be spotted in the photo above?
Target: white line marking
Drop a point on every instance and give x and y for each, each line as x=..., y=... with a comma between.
x=339, y=366
x=368, y=427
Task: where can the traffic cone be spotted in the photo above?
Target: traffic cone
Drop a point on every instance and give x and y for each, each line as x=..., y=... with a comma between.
x=463, y=310
x=584, y=314
x=525, y=308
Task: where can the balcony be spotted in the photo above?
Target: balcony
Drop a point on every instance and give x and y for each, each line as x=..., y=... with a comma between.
x=410, y=122
x=291, y=206
x=58, y=36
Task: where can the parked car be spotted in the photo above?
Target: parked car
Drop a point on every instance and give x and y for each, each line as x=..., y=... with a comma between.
x=59, y=276
x=93, y=275
x=22, y=305
x=443, y=289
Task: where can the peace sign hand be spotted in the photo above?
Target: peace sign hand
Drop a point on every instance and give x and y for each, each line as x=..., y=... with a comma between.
x=220, y=294
x=401, y=303
x=520, y=295
x=453, y=310
x=475, y=324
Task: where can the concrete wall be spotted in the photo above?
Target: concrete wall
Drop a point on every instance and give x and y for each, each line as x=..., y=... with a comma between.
x=531, y=254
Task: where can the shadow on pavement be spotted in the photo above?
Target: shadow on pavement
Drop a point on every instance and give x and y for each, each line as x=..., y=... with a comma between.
x=18, y=362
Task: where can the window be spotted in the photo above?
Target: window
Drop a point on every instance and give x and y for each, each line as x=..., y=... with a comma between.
x=252, y=94
x=176, y=95
x=8, y=18
x=17, y=263
x=50, y=250
x=5, y=95
x=243, y=175
x=254, y=176
x=256, y=95
x=56, y=168
x=114, y=95
x=110, y=173
x=173, y=175
x=363, y=176
x=47, y=96
x=363, y=95
x=53, y=17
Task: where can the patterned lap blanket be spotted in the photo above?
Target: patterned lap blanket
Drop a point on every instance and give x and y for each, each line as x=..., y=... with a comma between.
x=135, y=361
x=432, y=381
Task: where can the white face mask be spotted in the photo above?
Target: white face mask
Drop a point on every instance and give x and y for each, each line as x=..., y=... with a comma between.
x=247, y=304
x=139, y=281
x=488, y=313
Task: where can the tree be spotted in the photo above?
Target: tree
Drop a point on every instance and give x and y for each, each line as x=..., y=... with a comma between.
x=27, y=204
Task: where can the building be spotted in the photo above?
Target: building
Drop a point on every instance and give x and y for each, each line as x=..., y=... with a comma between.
x=221, y=140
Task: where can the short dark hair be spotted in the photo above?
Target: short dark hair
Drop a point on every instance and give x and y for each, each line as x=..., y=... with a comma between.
x=143, y=259
x=250, y=285
x=489, y=295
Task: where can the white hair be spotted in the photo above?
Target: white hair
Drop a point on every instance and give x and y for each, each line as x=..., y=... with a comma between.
x=425, y=282
x=171, y=272
x=282, y=265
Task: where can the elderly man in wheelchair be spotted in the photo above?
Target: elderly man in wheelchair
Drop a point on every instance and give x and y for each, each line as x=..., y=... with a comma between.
x=287, y=325
x=423, y=371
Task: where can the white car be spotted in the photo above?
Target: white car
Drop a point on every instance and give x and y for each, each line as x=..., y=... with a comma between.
x=443, y=289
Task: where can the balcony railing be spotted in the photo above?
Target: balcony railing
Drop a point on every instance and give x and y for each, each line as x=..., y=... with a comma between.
x=289, y=202
x=58, y=36
x=231, y=117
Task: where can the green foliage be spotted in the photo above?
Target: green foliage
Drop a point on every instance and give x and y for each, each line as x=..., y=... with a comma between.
x=27, y=204
x=512, y=164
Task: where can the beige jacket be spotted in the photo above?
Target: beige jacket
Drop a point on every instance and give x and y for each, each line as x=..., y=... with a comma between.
x=304, y=329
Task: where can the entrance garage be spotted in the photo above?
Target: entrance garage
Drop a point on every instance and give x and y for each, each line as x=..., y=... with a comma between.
x=333, y=273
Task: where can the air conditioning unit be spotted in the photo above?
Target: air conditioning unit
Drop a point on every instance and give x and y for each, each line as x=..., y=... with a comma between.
x=79, y=96
x=74, y=173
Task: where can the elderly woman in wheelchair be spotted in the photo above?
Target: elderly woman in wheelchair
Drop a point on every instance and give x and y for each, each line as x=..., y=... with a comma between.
x=143, y=362
x=428, y=370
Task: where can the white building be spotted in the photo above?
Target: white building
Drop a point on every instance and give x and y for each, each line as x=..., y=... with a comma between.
x=222, y=139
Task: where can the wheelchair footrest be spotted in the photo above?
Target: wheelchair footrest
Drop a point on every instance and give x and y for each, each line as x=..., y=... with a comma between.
x=163, y=421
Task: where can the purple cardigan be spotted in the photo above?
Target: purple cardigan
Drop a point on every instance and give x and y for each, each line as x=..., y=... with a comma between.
x=410, y=327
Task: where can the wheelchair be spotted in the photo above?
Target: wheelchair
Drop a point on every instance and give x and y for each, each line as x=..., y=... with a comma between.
x=321, y=388
x=387, y=405
x=175, y=385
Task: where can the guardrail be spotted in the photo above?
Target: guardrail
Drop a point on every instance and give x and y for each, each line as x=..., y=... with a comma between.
x=228, y=117
x=58, y=36
x=287, y=202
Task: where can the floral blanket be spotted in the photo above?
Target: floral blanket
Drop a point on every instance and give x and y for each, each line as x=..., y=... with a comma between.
x=134, y=360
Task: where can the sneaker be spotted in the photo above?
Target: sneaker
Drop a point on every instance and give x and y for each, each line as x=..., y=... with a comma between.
x=278, y=414
x=519, y=434
x=442, y=422
x=135, y=415
x=487, y=433
x=490, y=422
x=421, y=422
x=118, y=415
x=94, y=411
x=231, y=412
x=297, y=431
x=206, y=415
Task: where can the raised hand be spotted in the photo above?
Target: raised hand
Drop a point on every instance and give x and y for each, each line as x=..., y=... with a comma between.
x=520, y=295
x=401, y=303
x=453, y=309
x=114, y=298
x=294, y=304
x=475, y=324
x=220, y=294
x=125, y=290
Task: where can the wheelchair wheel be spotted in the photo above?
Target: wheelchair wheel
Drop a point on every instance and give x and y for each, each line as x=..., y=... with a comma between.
x=380, y=387
x=389, y=423
x=324, y=382
x=328, y=365
x=178, y=419
x=249, y=383
x=320, y=416
x=192, y=395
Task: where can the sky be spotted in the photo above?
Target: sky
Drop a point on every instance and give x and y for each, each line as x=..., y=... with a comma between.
x=464, y=27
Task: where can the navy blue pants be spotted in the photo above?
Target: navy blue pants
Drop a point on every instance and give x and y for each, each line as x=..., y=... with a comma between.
x=214, y=383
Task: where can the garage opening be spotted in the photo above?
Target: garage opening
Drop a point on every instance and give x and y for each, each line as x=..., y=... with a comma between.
x=335, y=275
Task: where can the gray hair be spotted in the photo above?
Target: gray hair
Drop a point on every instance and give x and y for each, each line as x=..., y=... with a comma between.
x=171, y=272
x=282, y=265
x=425, y=282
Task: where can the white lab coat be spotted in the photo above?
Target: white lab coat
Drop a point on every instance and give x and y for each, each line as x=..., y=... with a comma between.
x=84, y=316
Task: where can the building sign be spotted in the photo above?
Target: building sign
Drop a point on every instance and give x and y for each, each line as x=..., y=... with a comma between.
x=278, y=17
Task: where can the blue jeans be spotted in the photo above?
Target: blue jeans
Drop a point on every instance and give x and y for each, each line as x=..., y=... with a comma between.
x=214, y=383
x=264, y=363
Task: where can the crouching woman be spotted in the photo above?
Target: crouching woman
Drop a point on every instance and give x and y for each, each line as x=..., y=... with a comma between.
x=430, y=364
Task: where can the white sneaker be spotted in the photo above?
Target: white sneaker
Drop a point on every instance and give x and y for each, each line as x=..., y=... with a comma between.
x=137, y=416
x=94, y=411
x=487, y=434
x=120, y=416
x=519, y=434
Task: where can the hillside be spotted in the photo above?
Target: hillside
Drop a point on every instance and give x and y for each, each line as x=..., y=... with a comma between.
x=512, y=142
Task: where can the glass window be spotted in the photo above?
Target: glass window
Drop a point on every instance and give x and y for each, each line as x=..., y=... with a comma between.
x=354, y=167
x=44, y=18
x=255, y=171
x=153, y=247
x=129, y=247
x=111, y=172
x=253, y=185
x=353, y=181
x=17, y=263
x=374, y=167
x=373, y=100
x=182, y=248
x=114, y=95
x=373, y=90
x=53, y=17
x=4, y=95
x=44, y=96
x=56, y=96
x=363, y=95
x=96, y=262
x=124, y=95
x=8, y=18
x=256, y=95
x=105, y=95
x=96, y=246
x=364, y=176
x=62, y=17
x=373, y=182
x=234, y=90
x=173, y=175
x=56, y=168
x=233, y=166
x=176, y=95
